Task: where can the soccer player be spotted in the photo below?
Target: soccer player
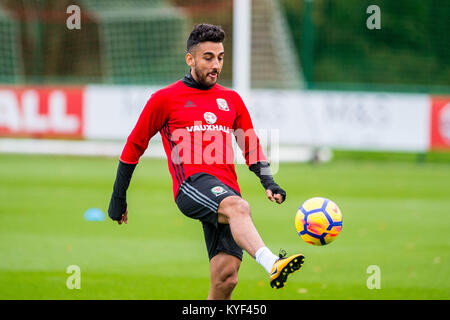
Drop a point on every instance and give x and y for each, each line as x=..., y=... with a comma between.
x=197, y=118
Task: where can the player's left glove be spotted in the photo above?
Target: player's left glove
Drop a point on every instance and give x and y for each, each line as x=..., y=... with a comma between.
x=262, y=170
x=276, y=189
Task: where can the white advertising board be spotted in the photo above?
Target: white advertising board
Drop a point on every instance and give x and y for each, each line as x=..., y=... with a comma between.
x=110, y=112
x=363, y=121
x=348, y=120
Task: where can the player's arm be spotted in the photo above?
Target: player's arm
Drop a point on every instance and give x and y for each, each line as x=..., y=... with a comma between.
x=251, y=148
x=273, y=191
x=118, y=204
x=149, y=123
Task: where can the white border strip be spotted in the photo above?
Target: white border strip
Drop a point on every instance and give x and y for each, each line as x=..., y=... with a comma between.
x=114, y=149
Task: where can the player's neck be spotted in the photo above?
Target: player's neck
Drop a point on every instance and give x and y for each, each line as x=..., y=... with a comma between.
x=192, y=83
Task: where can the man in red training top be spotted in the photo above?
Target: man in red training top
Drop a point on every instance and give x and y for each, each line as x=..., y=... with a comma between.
x=196, y=118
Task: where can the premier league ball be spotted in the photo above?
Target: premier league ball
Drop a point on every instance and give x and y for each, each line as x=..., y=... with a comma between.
x=318, y=221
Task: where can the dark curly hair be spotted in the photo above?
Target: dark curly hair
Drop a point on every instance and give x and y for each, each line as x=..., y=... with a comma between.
x=204, y=32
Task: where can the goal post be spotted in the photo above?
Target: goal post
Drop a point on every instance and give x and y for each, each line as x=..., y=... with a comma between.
x=242, y=39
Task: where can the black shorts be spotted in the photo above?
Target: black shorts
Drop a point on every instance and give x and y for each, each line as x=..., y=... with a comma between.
x=198, y=198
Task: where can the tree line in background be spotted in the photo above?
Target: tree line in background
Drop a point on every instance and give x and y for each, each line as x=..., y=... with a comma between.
x=333, y=43
x=411, y=48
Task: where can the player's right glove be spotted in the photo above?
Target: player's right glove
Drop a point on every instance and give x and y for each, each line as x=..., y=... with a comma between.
x=118, y=202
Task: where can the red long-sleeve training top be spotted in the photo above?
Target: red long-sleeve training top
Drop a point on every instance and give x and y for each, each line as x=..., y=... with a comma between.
x=196, y=127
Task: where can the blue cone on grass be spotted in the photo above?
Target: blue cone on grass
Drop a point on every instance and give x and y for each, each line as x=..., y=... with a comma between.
x=94, y=214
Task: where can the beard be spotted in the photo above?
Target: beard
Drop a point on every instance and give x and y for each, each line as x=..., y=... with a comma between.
x=204, y=79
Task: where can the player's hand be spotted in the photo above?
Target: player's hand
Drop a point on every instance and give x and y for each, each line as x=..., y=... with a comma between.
x=124, y=218
x=275, y=193
x=118, y=209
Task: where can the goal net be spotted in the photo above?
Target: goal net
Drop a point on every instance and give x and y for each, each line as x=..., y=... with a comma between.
x=10, y=55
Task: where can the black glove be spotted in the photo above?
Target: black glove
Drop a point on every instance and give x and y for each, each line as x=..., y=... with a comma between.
x=262, y=170
x=118, y=202
x=276, y=189
x=117, y=207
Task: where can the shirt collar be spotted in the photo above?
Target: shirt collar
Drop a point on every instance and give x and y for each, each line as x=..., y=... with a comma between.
x=190, y=82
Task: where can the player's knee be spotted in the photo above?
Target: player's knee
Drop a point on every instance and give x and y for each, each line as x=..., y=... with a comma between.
x=227, y=280
x=231, y=282
x=236, y=206
x=241, y=207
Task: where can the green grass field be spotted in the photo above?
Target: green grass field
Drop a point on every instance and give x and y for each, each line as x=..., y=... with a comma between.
x=396, y=216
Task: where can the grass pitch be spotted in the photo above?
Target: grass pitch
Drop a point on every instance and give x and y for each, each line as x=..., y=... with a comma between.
x=396, y=217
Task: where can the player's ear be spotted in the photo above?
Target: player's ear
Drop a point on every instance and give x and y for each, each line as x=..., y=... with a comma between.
x=190, y=60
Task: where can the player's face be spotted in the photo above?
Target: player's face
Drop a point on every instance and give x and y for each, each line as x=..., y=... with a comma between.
x=206, y=61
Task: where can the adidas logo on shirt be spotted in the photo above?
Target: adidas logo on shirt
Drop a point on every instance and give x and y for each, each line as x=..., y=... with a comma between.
x=189, y=104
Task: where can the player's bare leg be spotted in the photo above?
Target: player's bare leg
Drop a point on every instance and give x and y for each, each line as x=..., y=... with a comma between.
x=235, y=211
x=224, y=276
